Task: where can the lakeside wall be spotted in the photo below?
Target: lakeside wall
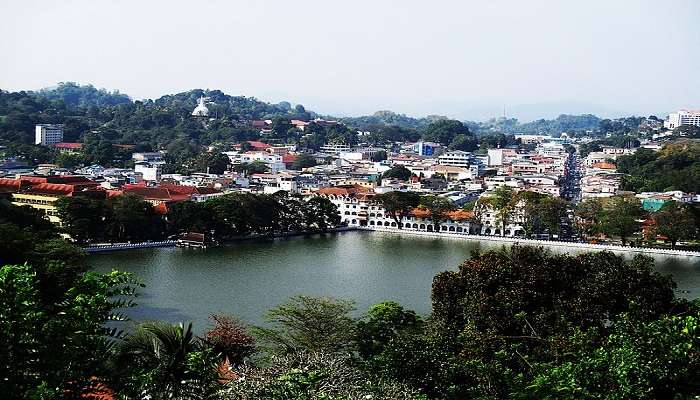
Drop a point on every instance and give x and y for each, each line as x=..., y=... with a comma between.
x=553, y=243
x=108, y=247
x=101, y=248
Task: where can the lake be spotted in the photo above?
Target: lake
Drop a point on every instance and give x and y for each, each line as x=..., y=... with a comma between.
x=246, y=279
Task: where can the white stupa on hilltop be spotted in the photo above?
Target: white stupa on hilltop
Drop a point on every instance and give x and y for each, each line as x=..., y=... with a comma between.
x=201, y=110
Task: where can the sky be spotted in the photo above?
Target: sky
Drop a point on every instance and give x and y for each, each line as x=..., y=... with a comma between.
x=464, y=59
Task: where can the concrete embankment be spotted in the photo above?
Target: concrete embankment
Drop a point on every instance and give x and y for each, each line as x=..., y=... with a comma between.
x=552, y=243
x=101, y=248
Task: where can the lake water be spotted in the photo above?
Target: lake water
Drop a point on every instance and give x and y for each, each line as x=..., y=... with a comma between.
x=246, y=279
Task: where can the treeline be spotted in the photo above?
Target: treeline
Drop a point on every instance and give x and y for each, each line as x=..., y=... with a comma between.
x=130, y=218
x=509, y=323
x=92, y=115
x=675, y=167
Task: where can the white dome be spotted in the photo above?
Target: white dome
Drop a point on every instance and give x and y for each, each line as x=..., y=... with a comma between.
x=201, y=110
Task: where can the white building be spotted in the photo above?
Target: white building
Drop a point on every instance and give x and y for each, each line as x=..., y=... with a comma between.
x=682, y=117
x=48, y=134
x=148, y=171
x=497, y=157
x=335, y=148
x=456, y=158
x=273, y=161
x=285, y=181
x=156, y=157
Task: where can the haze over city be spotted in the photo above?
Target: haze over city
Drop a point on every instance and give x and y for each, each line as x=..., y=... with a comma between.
x=464, y=60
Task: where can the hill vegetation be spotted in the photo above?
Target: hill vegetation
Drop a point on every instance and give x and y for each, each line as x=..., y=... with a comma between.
x=675, y=167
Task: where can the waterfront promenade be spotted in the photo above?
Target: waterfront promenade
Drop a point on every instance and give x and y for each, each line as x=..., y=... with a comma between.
x=536, y=242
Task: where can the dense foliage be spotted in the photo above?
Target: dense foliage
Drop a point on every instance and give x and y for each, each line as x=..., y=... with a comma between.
x=129, y=217
x=675, y=167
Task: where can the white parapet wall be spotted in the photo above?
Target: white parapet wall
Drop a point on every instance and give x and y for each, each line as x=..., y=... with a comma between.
x=552, y=243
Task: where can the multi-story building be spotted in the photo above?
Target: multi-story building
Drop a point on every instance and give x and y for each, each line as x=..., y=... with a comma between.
x=456, y=158
x=42, y=193
x=274, y=162
x=335, y=148
x=48, y=134
x=353, y=202
x=682, y=117
x=426, y=149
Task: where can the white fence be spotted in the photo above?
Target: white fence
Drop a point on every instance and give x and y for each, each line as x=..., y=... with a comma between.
x=97, y=248
x=578, y=245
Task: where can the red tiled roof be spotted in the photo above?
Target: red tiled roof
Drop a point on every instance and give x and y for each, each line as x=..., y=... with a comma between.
x=289, y=158
x=344, y=190
x=258, y=145
x=57, y=189
x=10, y=184
x=69, y=145
x=258, y=124
x=604, y=165
x=154, y=193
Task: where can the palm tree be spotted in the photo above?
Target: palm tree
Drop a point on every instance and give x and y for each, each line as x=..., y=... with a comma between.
x=164, y=361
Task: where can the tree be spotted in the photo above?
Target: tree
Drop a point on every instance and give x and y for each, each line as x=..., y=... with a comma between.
x=164, y=361
x=509, y=309
x=444, y=131
x=398, y=172
x=306, y=323
x=586, y=290
x=82, y=217
x=309, y=376
x=503, y=200
x=638, y=360
x=398, y=204
x=379, y=156
x=438, y=207
x=303, y=160
x=621, y=217
x=229, y=339
x=676, y=222
x=130, y=217
x=464, y=143
x=588, y=216
x=190, y=216
x=541, y=212
x=256, y=167
x=321, y=213
x=212, y=163
x=57, y=350
x=383, y=322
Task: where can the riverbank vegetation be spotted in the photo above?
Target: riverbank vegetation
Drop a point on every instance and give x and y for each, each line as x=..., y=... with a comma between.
x=518, y=322
x=621, y=217
x=130, y=218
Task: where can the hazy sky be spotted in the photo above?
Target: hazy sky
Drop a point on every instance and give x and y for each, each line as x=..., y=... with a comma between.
x=465, y=59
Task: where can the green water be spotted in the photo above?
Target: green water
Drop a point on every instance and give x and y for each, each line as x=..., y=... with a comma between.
x=247, y=278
